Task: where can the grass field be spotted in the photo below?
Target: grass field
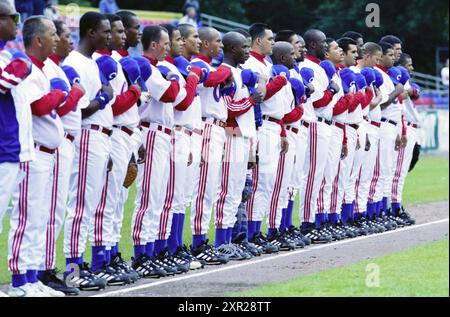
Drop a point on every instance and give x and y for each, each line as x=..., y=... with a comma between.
x=427, y=182
x=421, y=271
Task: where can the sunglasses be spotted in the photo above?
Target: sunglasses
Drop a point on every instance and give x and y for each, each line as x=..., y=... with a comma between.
x=15, y=17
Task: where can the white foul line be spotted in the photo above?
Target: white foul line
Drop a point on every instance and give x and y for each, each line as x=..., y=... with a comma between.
x=277, y=256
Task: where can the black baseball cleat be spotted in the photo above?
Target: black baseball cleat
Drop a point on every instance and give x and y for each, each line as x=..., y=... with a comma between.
x=121, y=265
x=208, y=255
x=166, y=261
x=112, y=277
x=335, y=233
x=361, y=222
x=297, y=231
x=261, y=241
x=388, y=223
x=247, y=246
x=50, y=279
x=281, y=241
x=147, y=268
x=406, y=217
x=316, y=235
x=346, y=230
x=185, y=254
x=86, y=280
x=294, y=237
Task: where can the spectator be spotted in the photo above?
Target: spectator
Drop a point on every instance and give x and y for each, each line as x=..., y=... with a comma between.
x=190, y=16
x=192, y=3
x=444, y=74
x=108, y=6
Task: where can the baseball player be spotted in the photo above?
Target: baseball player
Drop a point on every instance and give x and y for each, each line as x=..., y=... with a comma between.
x=31, y=207
x=16, y=141
x=157, y=120
x=404, y=157
x=175, y=200
x=70, y=116
x=396, y=46
x=270, y=135
x=319, y=135
x=92, y=150
x=240, y=131
x=214, y=116
x=125, y=124
x=132, y=31
x=391, y=130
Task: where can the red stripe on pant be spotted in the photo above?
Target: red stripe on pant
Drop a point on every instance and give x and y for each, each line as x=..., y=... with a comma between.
x=376, y=175
x=252, y=197
x=398, y=172
x=100, y=214
x=137, y=228
x=335, y=191
x=164, y=218
x=203, y=178
x=320, y=202
x=311, y=173
x=50, y=234
x=23, y=210
x=224, y=183
x=276, y=192
x=79, y=210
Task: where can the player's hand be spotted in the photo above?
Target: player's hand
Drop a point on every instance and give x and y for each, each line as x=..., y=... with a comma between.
x=344, y=151
x=399, y=89
x=367, y=147
x=403, y=141
x=229, y=81
x=190, y=159
x=284, y=145
x=142, y=153
x=257, y=97
x=398, y=142
x=110, y=165
x=137, y=87
x=334, y=86
x=108, y=90
x=79, y=86
x=310, y=89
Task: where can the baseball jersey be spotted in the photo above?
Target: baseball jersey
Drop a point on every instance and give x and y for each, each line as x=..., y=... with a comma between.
x=155, y=110
x=246, y=121
x=183, y=118
x=48, y=129
x=394, y=110
x=409, y=110
x=72, y=120
x=212, y=104
x=308, y=110
x=90, y=80
x=342, y=117
x=356, y=116
x=129, y=118
x=320, y=84
x=16, y=139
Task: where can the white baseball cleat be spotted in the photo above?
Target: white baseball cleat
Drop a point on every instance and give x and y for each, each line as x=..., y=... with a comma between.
x=48, y=290
x=27, y=290
x=3, y=294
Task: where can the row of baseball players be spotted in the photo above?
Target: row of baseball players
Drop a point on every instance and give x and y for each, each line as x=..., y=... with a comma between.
x=194, y=129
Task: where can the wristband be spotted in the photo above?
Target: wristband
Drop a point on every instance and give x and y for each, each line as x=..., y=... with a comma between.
x=103, y=100
x=333, y=91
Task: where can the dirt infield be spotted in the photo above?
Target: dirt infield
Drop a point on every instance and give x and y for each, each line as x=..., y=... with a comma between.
x=432, y=224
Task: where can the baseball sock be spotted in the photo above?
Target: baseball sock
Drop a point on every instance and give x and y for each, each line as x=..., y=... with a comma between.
x=115, y=249
x=345, y=213
x=160, y=245
x=172, y=242
x=150, y=248
x=289, y=209
x=395, y=207
x=320, y=219
x=371, y=210
x=198, y=239
x=18, y=280
x=283, y=219
x=379, y=207
x=307, y=225
x=352, y=208
x=108, y=256
x=333, y=218
x=98, y=257
x=385, y=204
x=258, y=227
x=271, y=232
x=251, y=227
x=32, y=276
x=139, y=250
x=221, y=236
x=229, y=233
x=180, y=227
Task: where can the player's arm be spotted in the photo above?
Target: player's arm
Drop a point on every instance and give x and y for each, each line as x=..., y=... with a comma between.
x=192, y=81
x=275, y=86
x=295, y=114
x=217, y=77
x=47, y=103
x=397, y=92
x=126, y=100
x=99, y=102
x=16, y=71
x=74, y=96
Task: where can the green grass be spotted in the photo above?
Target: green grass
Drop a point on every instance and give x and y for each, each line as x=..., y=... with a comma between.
x=427, y=182
x=421, y=271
